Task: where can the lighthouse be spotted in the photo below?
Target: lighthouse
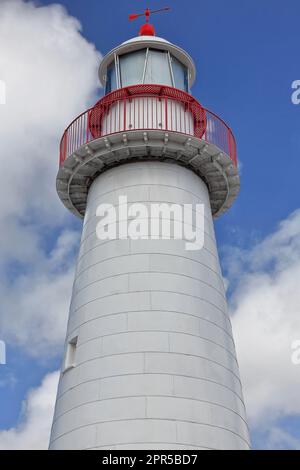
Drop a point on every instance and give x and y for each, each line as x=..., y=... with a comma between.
x=149, y=359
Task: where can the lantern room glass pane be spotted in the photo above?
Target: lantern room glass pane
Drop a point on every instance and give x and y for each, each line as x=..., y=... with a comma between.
x=111, y=80
x=180, y=74
x=132, y=67
x=158, y=68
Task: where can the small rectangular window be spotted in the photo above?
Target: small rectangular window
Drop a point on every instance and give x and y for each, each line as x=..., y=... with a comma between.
x=70, y=354
x=2, y=353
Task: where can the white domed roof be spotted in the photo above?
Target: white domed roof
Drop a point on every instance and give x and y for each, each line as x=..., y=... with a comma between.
x=146, y=38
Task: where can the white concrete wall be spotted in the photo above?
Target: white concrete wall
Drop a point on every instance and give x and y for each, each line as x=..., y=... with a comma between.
x=155, y=363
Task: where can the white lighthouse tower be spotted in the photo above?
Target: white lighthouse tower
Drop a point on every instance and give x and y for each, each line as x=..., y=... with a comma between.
x=149, y=359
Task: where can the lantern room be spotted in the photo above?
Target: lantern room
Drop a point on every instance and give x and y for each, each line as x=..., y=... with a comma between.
x=147, y=60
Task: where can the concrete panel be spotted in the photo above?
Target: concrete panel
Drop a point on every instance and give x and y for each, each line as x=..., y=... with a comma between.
x=100, y=411
x=104, y=325
x=202, y=347
x=139, y=341
x=138, y=431
x=81, y=438
x=191, y=366
x=89, y=390
x=201, y=389
x=178, y=302
x=153, y=446
x=209, y=436
x=112, y=365
x=195, y=411
x=110, y=305
x=137, y=385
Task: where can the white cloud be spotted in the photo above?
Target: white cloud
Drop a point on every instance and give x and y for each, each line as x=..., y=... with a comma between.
x=36, y=303
x=33, y=431
x=279, y=439
x=50, y=72
x=266, y=321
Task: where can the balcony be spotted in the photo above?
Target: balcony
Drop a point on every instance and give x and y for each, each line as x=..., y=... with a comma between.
x=147, y=108
x=143, y=122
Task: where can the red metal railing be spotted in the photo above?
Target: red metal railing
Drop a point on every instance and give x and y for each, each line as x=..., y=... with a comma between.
x=147, y=107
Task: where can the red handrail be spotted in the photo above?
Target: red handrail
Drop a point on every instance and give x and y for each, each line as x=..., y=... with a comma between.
x=147, y=107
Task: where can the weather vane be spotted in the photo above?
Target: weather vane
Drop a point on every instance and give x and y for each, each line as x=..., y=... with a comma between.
x=147, y=29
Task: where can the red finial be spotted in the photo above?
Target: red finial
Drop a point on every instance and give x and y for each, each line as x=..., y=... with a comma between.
x=147, y=29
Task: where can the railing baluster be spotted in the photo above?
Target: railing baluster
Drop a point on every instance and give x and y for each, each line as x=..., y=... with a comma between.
x=86, y=128
x=139, y=112
x=166, y=113
x=124, y=124
x=152, y=105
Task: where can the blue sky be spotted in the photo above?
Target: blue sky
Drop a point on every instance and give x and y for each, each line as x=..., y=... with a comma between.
x=246, y=53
